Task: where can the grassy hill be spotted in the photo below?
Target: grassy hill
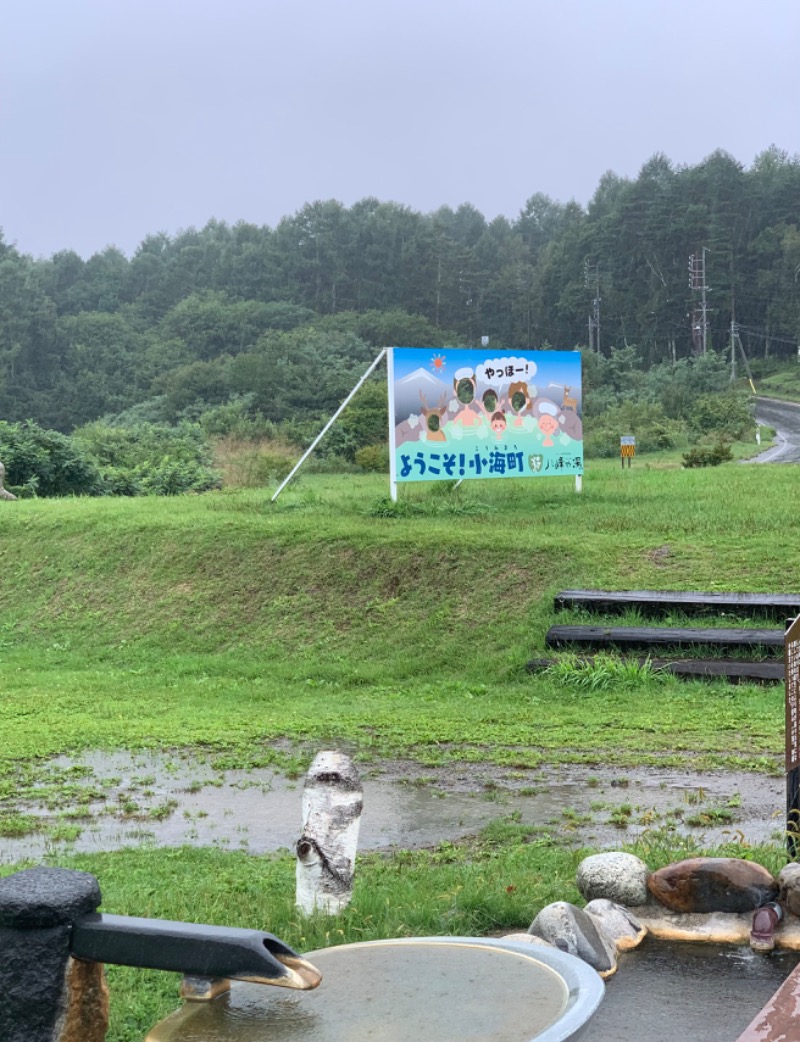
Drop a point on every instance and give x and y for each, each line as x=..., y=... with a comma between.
x=260, y=631
x=227, y=620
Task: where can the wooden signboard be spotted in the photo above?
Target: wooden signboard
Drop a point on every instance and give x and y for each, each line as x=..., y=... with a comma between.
x=627, y=448
x=791, y=653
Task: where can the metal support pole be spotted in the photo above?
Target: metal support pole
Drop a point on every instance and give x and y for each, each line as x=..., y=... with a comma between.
x=392, y=424
x=326, y=428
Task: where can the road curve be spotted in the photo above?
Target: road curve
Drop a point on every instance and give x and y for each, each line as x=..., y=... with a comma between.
x=785, y=418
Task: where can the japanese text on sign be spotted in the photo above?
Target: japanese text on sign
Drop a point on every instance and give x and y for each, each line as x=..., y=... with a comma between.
x=463, y=413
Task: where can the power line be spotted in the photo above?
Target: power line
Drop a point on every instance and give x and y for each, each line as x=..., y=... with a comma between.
x=764, y=335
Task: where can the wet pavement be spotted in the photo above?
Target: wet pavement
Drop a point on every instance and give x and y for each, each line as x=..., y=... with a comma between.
x=664, y=992
x=172, y=799
x=784, y=417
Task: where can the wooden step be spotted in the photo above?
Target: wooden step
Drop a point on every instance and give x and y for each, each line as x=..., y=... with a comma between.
x=734, y=670
x=622, y=637
x=779, y=605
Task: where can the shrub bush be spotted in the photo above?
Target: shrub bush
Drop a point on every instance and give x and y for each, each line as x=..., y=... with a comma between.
x=149, y=458
x=708, y=455
x=46, y=463
x=728, y=413
x=645, y=420
x=373, y=458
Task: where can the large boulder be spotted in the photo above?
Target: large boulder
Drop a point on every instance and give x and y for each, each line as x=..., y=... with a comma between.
x=713, y=884
x=616, y=923
x=569, y=928
x=615, y=876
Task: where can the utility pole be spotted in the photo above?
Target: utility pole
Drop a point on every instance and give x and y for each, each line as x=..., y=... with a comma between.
x=591, y=278
x=736, y=341
x=697, y=283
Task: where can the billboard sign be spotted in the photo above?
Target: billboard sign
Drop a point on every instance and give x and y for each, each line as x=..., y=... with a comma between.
x=480, y=413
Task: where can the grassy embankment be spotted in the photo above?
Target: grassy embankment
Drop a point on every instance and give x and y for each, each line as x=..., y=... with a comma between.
x=784, y=384
x=226, y=623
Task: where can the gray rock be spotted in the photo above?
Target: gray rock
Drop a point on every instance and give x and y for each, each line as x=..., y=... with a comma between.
x=615, y=876
x=789, y=884
x=617, y=923
x=569, y=928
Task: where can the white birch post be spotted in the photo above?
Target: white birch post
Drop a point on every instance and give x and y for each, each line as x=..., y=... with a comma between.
x=326, y=851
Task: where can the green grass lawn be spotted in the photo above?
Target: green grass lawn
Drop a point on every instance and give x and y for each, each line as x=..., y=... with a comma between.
x=227, y=621
x=784, y=384
x=261, y=630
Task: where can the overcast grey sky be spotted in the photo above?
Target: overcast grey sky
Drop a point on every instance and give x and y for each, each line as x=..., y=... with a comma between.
x=119, y=118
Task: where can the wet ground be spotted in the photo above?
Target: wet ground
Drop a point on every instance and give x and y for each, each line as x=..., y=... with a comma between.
x=784, y=417
x=721, y=989
x=118, y=799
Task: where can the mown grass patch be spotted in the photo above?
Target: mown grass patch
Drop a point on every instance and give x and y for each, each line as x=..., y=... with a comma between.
x=229, y=622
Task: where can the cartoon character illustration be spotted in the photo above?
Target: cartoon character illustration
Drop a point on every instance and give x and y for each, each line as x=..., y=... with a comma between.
x=433, y=418
x=465, y=386
x=498, y=424
x=547, y=413
x=519, y=400
x=490, y=402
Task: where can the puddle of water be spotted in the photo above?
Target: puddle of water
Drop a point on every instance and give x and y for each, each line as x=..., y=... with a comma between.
x=665, y=991
x=168, y=799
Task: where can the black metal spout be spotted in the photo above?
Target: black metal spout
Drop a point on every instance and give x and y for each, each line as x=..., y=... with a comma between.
x=191, y=948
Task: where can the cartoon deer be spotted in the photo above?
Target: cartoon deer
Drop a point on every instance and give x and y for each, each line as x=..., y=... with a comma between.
x=433, y=417
x=569, y=403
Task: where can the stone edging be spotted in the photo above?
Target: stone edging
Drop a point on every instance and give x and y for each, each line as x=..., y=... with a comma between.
x=700, y=899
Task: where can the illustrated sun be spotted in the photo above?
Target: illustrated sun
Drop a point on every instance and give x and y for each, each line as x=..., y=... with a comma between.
x=438, y=363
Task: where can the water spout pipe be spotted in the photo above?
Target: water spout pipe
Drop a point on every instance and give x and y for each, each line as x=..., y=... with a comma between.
x=765, y=919
x=204, y=951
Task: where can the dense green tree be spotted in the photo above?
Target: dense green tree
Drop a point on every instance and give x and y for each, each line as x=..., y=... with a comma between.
x=391, y=328
x=211, y=324
x=191, y=389
x=80, y=339
x=102, y=366
x=29, y=357
x=302, y=372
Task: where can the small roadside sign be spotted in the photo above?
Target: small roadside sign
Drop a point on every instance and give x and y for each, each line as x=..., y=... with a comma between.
x=627, y=448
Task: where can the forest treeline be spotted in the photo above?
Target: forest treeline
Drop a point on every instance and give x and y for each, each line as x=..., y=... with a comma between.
x=251, y=321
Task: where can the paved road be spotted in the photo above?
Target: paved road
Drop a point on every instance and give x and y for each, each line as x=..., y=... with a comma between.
x=785, y=418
